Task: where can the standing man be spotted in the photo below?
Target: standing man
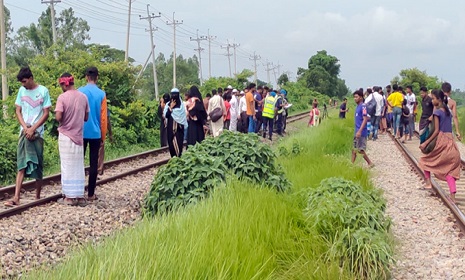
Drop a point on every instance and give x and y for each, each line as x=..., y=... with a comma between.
x=427, y=108
x=411, y=100
x=343, y=109
x=447, y=89
x=279, y=113
x=285, y=106
x=32, y=108
x=361, y=131
x=243, y=119
x=234, y=111
x=251, y=113
x=269, y=111
x=258, y=108
x=95, y=129
x=395, y=101
x=72, y=110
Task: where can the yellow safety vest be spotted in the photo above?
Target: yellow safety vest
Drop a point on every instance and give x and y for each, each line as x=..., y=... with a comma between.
x=268, y=108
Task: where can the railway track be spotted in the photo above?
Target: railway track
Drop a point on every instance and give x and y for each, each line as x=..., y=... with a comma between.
x=51, y=184
x=412, y=153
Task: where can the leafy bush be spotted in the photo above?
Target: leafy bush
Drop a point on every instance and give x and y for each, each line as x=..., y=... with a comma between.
x=182, y=181
x=8, y=145
x=352, y=219
x=246, y=157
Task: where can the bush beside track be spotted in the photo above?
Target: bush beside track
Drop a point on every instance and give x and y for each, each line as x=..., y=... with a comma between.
x=244, y=231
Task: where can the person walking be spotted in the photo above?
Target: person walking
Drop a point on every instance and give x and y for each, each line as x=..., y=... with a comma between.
x=32, y=109
x=176, y=123
x=95, y=129
x=444, y=159
x=361, y=131
x=314, y=116
x=71, y=111
x=395, y=100
x=197, y=117
x=269, y=112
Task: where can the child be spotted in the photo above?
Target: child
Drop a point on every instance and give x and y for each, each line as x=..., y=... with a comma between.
x=444, y=160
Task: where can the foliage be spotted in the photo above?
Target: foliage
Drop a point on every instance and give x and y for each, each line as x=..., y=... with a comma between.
x=302, y=97
x=347, y=215
x=8, y=144
x=322, y=75
x=246, y=157
x=183, y=181
x=416, y=78
x=283, y=79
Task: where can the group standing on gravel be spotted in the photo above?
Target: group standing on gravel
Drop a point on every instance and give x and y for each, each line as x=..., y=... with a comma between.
x=396, y=113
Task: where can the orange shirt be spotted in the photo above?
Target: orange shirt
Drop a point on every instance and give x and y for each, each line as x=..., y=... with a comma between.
x=250, y=103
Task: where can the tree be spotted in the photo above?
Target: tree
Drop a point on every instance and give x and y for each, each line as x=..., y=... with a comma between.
x=283, y=79
x=322, y=75
x=416, y=78
x=36, y=39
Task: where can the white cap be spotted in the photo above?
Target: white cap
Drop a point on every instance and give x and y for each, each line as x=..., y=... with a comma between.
x=229, y=87
x=242, y=92
x=235, y=91
x=175, y=90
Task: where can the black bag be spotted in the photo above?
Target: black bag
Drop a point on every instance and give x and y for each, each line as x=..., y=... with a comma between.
x=431, y=144
x=216, y=114
x=371, y=107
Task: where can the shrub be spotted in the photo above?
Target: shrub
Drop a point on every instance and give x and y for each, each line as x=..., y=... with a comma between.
x=247, y=158
x=182, y=181
x=8, y=146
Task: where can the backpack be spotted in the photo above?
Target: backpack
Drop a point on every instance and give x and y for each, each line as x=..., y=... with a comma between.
x=371, y=107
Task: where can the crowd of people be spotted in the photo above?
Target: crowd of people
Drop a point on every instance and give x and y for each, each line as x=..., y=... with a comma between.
x=251, y=110
x=83, y=122
x=394, y=111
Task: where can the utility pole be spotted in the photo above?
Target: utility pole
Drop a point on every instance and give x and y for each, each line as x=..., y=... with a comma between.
x=126, y=54
x=210, y=39
x=149, y=17
x=269, y=67
x=3, y=56
x=174, y=23
x=255, y=58
x=52, y=15
x=228, y=54
x=234, y=46
x=199, y=49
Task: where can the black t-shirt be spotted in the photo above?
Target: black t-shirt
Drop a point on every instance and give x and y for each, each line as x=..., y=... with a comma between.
x=342, y=115
x=427, y=107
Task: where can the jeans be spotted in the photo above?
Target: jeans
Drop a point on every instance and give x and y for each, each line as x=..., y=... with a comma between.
x=251, y=125
x=396, y=114
x=375, y=125
x=260, y=121
x=411, y=124
x=94, y=146
x=279, y=124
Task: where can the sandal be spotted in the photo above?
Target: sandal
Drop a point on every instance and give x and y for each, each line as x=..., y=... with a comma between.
x=92, y=198
x=11, y=203
x=82, y=202
x=64, y=201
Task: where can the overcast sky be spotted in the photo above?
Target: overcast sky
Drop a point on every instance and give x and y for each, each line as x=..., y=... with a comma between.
x=373, y=40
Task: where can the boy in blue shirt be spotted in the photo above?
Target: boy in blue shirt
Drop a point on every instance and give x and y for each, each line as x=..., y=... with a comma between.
x=361, y=131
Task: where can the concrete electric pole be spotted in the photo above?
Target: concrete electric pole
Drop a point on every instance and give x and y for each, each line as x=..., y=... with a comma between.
x=3, y=55
x=52, y=15
x=228, y=54
x=199, y=49
x=255, y=58
x=126, y=54
x=174, y=23
x=210, y=39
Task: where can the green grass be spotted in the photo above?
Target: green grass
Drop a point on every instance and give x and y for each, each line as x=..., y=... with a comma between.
x=240, y=232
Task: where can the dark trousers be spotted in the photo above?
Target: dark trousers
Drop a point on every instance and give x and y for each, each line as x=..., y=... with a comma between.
x=267, y=122
x=94, y=146
x=259, y=121
x=279, y=124
x=244, y=122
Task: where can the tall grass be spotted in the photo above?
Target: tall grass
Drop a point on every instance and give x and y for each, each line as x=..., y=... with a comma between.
x=240, y=232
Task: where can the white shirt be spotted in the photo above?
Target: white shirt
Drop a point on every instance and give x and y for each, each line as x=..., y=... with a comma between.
x=410, y=102
x=242, y=104
x=234, y=106
x=379, y=102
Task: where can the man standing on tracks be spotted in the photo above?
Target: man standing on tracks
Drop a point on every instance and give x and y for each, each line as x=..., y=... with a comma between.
x=72, y=110
x=361, y=131
x=95, y=129
x=411, y=100
x=32, y=108
x=447, y=88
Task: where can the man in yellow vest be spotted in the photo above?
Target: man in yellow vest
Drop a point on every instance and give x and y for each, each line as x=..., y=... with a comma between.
x=269, y=111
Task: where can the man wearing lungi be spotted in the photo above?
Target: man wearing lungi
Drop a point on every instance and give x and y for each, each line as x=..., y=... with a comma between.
x=72, y=110
x=32, y=108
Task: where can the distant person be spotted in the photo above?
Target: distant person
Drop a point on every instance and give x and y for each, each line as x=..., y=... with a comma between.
x=163, y=101
x=32, y=108
x=101, y=150
x=343, y=109
x=411, y=101
x=269, y=112
x=217, y=103
x=325, y=111
x=71, y=111
x=176, y=123
x=258, y=108
x=207, y=98
x=197, y=117
x=361, y=131
x=314, y=116
x=95, y=128
x=243, y=119
x=227, y=119
x=395, y=101
x=447, y=89
x=251, y=112
x=234, y=110
x=285, y=107
x=444, y=159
